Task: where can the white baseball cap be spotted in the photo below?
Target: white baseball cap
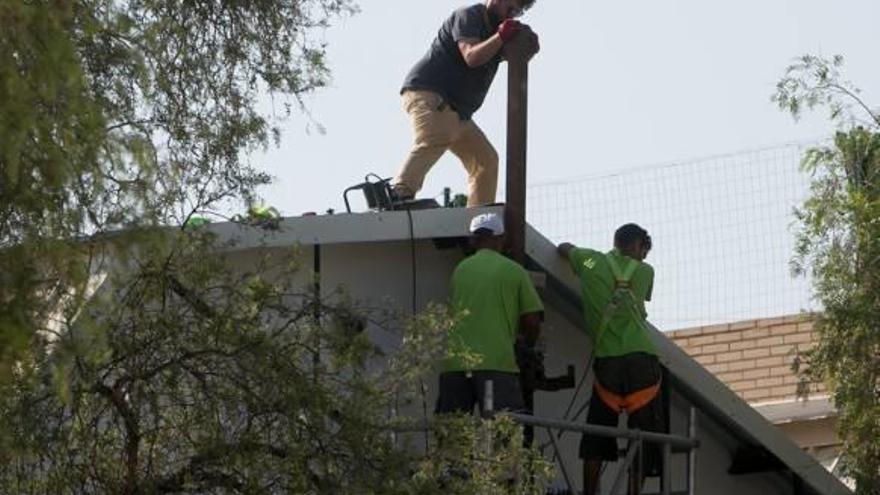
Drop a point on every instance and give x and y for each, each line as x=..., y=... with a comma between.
x=489, y=221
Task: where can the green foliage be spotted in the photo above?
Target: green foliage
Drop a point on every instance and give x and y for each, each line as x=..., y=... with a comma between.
x=485, y=460
x=134, y=357
x=814, y=81
x=839, y=247
x=129, y=114
x=186, y=374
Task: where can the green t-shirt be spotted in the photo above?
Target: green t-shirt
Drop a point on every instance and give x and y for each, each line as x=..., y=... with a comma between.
x=489, y=294
x=625, y=331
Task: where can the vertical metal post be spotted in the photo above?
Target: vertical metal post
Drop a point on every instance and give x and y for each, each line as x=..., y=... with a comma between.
x=518, y=52
x=692, y=455
x=635, y=446
x=558, y=454
x=488, y=399
x=666, y=474
x=488, y=408
x=517, y=106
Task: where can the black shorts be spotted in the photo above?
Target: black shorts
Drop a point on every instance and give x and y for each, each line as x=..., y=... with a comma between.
x=624, y=375
x=461, y=390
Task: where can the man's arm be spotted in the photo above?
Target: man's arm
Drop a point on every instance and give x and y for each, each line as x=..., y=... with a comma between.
x=530, y=327
x=477, y=53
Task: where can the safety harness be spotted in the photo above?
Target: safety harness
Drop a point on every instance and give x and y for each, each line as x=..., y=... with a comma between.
x=623, y=297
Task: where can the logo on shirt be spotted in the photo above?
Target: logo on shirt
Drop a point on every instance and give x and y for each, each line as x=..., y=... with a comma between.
x=589, y=263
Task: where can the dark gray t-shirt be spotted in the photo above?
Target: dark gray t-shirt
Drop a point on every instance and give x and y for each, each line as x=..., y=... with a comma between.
x=443, y=69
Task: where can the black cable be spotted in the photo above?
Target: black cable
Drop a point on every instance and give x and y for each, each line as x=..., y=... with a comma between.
x=412, y=249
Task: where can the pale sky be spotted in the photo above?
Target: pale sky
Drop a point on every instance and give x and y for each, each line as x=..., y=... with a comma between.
x=653, y=101
x=616, y=85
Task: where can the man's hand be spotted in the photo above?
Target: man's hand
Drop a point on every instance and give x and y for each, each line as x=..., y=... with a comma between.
x=530, y=327
x=564, y=249
x=522, y=45
x=508, y=29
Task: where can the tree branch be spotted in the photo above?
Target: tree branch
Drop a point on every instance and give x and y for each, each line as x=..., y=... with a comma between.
x=859, y=101
x=199, y=466
x=132, y=433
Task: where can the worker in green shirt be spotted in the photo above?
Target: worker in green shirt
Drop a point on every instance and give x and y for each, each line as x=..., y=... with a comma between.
x=495, y=303
x=615, y=286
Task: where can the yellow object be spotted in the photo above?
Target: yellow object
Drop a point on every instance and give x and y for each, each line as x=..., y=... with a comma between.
x=263, y=212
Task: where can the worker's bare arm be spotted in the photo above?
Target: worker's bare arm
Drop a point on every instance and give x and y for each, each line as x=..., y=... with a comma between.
x=477, y=53
x=530, y=327
x=564, y=249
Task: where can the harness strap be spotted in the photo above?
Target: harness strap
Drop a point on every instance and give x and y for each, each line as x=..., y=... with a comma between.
x=622, y=278
x=622, y=285
x=630, y=402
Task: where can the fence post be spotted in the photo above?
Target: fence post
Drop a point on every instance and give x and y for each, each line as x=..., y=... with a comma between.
x=666, y=475
x=488, y=411
x=488, y=399
x=635, y=446
x=692, y=455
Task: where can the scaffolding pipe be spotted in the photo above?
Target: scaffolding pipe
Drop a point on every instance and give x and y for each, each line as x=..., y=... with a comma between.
x=634, y=447
x=665, y=478
x=488, y=410
x=636, y=439
x=555, y=424
x=558, y=454
x=607, y=431
x=692, y=457
x=488, y=398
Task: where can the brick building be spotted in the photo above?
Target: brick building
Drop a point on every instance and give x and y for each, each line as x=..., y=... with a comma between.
x=754, y=358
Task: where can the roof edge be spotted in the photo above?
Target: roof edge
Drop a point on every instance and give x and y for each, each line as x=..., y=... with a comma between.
x=344, y=228
x=717, y=397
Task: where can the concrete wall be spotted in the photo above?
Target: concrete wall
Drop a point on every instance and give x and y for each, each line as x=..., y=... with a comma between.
x=713, y=459
x=380, y=276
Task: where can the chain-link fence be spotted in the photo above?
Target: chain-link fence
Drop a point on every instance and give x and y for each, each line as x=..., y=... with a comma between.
x=723, y=230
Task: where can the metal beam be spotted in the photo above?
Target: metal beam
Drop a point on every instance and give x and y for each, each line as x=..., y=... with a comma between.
x=634, y=447
x=517, y=52
x=606, y=431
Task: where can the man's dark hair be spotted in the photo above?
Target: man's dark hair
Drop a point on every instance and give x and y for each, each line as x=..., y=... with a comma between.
x=627, y=234
x=527, y=4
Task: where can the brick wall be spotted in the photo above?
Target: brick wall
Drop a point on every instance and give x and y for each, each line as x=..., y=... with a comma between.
x=752, y=357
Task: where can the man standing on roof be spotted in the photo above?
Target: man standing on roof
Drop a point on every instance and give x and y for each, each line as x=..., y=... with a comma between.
x=615, y=286
x=496, y=303
x=444, y=89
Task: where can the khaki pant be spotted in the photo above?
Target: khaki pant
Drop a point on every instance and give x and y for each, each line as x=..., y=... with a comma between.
x=438, y=128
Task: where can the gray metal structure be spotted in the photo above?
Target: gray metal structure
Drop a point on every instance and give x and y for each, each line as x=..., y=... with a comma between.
x=718, y=410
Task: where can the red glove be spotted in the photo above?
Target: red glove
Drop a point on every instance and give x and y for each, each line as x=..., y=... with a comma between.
x=508, y=29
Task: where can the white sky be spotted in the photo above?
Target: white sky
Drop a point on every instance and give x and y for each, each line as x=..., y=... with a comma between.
x=616, y=85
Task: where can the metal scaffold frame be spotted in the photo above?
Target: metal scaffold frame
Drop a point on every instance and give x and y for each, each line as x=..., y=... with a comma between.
x=635, y=437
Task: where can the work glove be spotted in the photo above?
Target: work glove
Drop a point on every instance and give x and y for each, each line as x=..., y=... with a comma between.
x=508, y=29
